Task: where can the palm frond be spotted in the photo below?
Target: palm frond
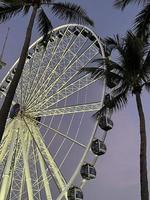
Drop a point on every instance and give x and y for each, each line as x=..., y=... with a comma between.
x=123, y=3
x=89, y=69
x=9, y=11
x=100, y=112
x=44, y=24
x=112, y=42
x=94, y=71
x=71, y=12
x=115, y=43
x=99, y=62
x=113, y=66
x=122, y=88
x=133, y=52
x=116, y=103
x=146, y=64
x=142, y=22
x=119, y=101
x=108, y=63
x=9, y=2
x=114, y=76
x=26, y=9
x=50, y=2
x=147, y=86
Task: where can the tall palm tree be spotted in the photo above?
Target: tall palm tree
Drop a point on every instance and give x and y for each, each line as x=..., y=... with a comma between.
x=10, y=8
x=131, y=72
x=142, y=20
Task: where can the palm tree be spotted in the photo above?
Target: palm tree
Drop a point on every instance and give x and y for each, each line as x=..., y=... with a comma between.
x=131, y=73
x=142, y=20
x=10, y=8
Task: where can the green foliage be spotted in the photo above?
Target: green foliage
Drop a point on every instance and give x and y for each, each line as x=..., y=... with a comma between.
x=8, y=11
x=123, y=3
x=142, y=20
x=44, y=24
x=71, y=12
x=65, y=11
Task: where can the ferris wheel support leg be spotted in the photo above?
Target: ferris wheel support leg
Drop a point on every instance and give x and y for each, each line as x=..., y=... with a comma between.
x=7, y=171
x=45, y=180
x=59, y=179
x=6, y=142
x=26, y=167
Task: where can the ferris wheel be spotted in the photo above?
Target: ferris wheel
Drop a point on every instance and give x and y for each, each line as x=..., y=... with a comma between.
x=51, y=143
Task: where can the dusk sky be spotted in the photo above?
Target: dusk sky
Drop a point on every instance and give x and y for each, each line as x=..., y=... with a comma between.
x=118, y=170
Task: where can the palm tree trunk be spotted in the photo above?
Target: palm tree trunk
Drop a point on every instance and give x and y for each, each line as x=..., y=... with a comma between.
x=143, y=149
x=12, y=88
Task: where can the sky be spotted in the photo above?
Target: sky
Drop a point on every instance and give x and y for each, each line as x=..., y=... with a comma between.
x=118, y=170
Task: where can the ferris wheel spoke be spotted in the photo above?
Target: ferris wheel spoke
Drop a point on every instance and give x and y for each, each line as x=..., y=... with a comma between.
x=18, y=179
x=34, y=62
x=21, y=186
x=26, y=165
x=64, y=93
x=23, y=85
x=50, y=61
x=30, y=69
x=72, y=68
x=70, y=109
x=63, y=135
x=38, y=64
x=45, y=178
x=35, y=171
x=64, y=73
x=24, y=81
x=64, y=62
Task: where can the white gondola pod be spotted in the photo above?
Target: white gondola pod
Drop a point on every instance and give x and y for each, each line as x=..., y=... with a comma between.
x=76, y=31
x=3, y=88
x=75, y=193
x=85, y=32
x=88, y=171
x=52, y=37
x=8, y=79
x=13, y=70
x=105, y=123
x=59, y=34
x=29, y=56
x=98, y=147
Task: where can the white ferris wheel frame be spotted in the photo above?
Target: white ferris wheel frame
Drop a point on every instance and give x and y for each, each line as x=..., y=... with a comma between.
x=76, y=172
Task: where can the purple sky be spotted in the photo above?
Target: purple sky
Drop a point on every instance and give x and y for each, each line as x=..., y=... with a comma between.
x=118, y=170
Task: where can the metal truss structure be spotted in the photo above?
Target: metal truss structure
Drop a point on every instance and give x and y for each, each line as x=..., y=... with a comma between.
x=41, y=159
